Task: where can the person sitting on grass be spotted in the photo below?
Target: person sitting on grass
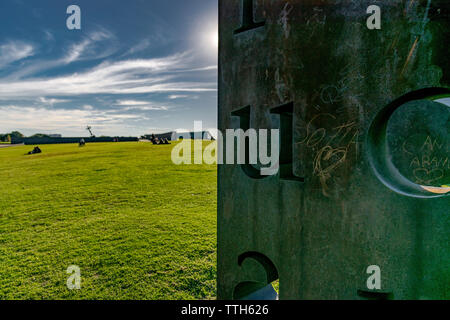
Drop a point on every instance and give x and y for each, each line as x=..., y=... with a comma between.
x=35, y=150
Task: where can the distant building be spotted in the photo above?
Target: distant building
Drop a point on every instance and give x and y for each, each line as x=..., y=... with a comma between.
x=204, y=135
x=174, y=136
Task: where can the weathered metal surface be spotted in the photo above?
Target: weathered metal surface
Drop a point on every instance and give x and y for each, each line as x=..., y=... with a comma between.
x=370, y=148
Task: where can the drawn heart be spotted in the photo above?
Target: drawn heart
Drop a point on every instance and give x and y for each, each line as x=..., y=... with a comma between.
x=328, y=159
x=426, y=177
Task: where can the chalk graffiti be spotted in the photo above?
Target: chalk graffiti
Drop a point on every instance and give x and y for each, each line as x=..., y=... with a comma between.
x=425, y=176
x=284, y=20
x=330, y=148
x=429, y=162
x=331, y=94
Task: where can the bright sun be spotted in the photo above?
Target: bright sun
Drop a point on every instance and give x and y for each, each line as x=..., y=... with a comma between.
x=215, y=40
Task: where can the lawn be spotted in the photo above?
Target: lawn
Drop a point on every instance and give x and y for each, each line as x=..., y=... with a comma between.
x=138, y=226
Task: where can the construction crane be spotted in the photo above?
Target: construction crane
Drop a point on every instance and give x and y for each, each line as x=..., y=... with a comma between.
x=88, y=128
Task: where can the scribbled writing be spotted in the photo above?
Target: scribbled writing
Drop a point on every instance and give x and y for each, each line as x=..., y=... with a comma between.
x=330, y=147
x=429, y=163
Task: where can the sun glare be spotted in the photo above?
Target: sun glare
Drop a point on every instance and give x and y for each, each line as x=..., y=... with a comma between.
x=215, y=40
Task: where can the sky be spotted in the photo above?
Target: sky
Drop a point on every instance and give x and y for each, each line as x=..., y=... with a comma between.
x=135, y=67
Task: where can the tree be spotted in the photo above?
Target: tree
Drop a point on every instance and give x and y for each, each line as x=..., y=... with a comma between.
x=16, y=134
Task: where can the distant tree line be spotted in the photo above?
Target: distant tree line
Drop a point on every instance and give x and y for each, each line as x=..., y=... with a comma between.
x=7, y=137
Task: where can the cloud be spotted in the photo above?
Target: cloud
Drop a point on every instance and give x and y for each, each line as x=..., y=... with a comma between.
x=48, y=35
x=207, y=68
x=147, y=108
x=101, y=34
x=122, y=77
x=52, y=101
x=181, y=96
x=14, y=51
x=139, y=105
x=45, y=119
x=91, y=47
x=141, y=46
x=76, y=51
x=131, y=103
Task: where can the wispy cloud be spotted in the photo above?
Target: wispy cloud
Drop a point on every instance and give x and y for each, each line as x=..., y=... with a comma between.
x=92, y=47
x=47, y=120
x=48, y=35
x=52, y=101
x=141, y=46
x=13, y=51
x=140, y=105
x=207, y=68
x=76, y=51
x=122, y=77
x=179, y=96
x=146, y=108
x=131, y=103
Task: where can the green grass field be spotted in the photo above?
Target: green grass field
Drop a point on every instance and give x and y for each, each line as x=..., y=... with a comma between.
x=138, y=226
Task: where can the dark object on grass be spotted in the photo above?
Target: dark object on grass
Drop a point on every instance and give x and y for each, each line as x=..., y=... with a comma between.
x=35, y=150
x=156, y=140
x=82, y=143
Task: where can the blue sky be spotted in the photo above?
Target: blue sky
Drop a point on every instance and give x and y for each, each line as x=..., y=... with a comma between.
x=135, y=67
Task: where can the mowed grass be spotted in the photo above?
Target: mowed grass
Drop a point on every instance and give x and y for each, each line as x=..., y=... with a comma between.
x=138, y=226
